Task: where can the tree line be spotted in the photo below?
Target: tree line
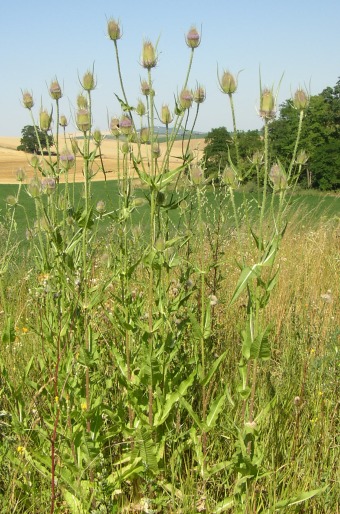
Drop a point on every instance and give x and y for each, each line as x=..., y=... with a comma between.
x=320, y=142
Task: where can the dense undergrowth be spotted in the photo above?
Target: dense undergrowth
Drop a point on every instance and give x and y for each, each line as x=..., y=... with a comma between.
x=161, y=363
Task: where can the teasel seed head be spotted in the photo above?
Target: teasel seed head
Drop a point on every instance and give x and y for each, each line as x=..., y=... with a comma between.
x=146, y=89
x=229, y=177
x=228, y=83
x=67, y=159
x=196, y=174
x=55, y=90
x=144, y=135
x=114, y=127
x=125, y=148
x=140, y=109
x=199, y=95
x=63, y=121
x=186, y=98
x=278, y=177
x=34, y=188
x=27, y=100
x=97, y=137
x=149, y=57
x=193, y=39
x=48, y=185
x=166, y=116
x=113, y=29
x=155, y=150
x=45, y=120
x=101, y=206
x=125, y=125
x=82, y=102
x=302, y=157
x=83, y=120
x=267, y=104
x=89, y=82
x=21, y=175
x=300, y=100
x=35, y=161
x=11, y=200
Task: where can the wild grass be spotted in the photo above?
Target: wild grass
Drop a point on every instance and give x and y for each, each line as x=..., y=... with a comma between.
x=171, y=347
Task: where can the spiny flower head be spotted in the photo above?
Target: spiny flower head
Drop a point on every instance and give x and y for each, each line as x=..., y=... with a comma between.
x=48, y=185
x=145, y=88
x=140, y=109
x=302, y=157
x=278, y=177
x=300, y=100
x=186, y=98
x=193, y=38
x=82, y=102
x=83, y=120
x=166, y=116
x=267, y=104
x=155, y=150
x=114, y=126
x=228, y=83
x=113, y=29
x=67, y=159
x=125, y=125
x=55, y=90
x=97, y=136
x=63, y=121
x=89, y=82
x=101, y=206
x=199, y=95
x=149, y=57
x=229, y=177
x=45, y=120
x=27, y=100
x=21, y=175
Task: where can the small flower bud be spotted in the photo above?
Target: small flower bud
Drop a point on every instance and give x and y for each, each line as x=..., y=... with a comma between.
x=34, y=188
x=186, y=99
x=63, y=121
x=149, y=57
x=144, y=135
x=55, y=90
x=140, y=109
x=97, y=136
x=193, y=38
x=82, y=102
x=278, y=177
x=300, y=100
x=113, y=30
x=166, y=116
x=83, y=120
x=196, y=175
x=101, y=207
x=27, y=100
x=21, y=175
x=228, y=83
x=48, y=185
x=125, y=125
x=89, y=82
x=11, y=200
x=155, y=150
x=302, y=157
x=67, y=159
x=267, y=104
x=35, y=162
x=199, y=95
x=145, y=88
x=229, y=177
x=125, y=148
x=257, y=158
x=45, y=120
x=114, y=126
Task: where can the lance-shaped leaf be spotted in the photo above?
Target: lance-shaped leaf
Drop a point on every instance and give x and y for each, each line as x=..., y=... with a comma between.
x=213, y=368
x=260, y=347
x=247, y=274
x=172, y=398
x=215, y=409
x=299, y=498
x=165, y=178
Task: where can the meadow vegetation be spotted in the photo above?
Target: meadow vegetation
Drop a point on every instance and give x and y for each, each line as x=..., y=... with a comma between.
x=169, y=344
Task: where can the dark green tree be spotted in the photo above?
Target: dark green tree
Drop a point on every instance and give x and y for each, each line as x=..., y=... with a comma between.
x=320, y=137
x=29, y=142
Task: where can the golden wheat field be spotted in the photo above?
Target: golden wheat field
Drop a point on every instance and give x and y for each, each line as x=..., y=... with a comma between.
x=11, y=159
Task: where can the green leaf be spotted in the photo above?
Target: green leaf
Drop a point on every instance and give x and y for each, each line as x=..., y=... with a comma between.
x=125, y=107
x=260, y=348
x=299, y=498
x=172, y=398
x=74, y=505
x=246, y=274
x=224, y=505
x=8, y=334
x=165, y=178
x=146, y=447
x=213, y=368
x=215, y=410
x=192, y=413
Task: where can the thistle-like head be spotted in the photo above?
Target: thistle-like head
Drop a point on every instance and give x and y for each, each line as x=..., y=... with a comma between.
x=55, y=90
x=193, y=39
x=113, y=29
x=27, y=100
x=149, y=56
x=228, y=83
x=267, y=104
x=186, y=98
x=45, y=120
x=300, y=100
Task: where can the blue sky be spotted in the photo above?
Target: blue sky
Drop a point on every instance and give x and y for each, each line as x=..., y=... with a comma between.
x=39, y=40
